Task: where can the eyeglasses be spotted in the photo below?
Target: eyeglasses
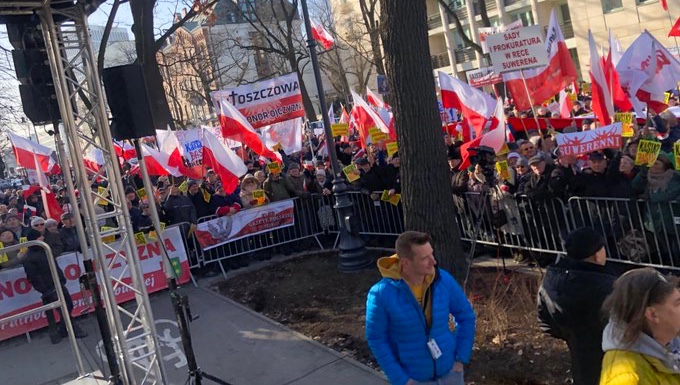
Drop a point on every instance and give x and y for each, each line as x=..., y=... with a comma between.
x=39, y=225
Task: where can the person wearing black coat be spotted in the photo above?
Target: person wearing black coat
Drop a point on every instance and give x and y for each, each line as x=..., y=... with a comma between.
x=38, y=273
x=179, y=208
x=570, y=298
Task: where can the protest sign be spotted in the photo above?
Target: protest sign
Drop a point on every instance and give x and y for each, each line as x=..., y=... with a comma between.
x=340, y=129
x=393, y=199
x=676, y=154
x=392, y=147
x=626, y=119
x=258, y=195
x=647, y=152
x=283, y=135
x=351, y=173
x=518, y=49
x=265, y=102
x=578, y=143
x=141, y=193
x=183, y=187
x=274, y=167
x=503, y=169
x=3, y=257
x=483, y=76
x=484, y=32
x=376, y=134
x=140, y=238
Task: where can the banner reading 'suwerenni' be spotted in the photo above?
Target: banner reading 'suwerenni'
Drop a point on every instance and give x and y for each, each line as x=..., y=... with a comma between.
x=578, y=143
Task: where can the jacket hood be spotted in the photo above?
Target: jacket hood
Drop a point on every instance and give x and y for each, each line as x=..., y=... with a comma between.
x=390, y=267
x=668, y=355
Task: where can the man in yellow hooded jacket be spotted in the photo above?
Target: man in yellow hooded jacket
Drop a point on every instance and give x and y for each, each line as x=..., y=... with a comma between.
x=419, y=324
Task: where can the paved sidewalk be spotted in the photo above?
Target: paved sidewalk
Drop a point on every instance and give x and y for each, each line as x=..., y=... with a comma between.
x=231, y=342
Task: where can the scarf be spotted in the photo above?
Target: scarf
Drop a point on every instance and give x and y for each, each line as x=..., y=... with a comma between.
x=659, y=182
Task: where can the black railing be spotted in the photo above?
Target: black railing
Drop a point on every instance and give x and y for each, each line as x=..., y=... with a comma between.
x=464, y=55
x=434, y=21
x=440, y=60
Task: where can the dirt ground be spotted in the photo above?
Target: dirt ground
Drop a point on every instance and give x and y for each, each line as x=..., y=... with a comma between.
x=310, y=295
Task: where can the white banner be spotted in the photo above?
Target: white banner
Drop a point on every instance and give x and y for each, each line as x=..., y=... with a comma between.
x=266, y=102
x=578, y=143
x=252, y=221
x=518, y=49
x=288, y=134
x=483, y=76
x=486, y=31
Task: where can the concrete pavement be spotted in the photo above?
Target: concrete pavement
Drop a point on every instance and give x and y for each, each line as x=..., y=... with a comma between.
x=230, y=341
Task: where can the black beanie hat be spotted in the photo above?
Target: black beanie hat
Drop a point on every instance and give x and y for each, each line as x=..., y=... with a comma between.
x=33, y=235
x=584, y=242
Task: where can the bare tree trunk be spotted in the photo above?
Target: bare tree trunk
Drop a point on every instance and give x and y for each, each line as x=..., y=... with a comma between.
x=426, y=192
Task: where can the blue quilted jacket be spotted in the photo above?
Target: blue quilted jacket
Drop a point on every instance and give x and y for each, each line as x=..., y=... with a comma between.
x=397, y=331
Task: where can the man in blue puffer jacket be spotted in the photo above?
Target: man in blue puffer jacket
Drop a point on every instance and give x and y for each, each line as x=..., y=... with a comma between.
x=419, y=324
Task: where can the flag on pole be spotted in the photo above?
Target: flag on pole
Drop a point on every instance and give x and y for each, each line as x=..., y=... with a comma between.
x=225, y=162
x=169, y=144
x=675, y=30
x=613, y=82
x=52, y=207
x=566, y=104
x=235, y=126
x=365, y=117
x=322, y=36
x=124, y=150
x=475, y=105
x=494, y=139
x=331, y=114
x=664, y=5
x=157, y=163
x=602, y=103
x=375, y=100
x=545, y=82
x=25, y=150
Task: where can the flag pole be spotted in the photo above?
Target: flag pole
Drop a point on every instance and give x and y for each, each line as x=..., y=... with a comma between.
x=533, y=108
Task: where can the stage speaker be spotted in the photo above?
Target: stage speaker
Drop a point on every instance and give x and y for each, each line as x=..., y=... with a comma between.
x=128, y=99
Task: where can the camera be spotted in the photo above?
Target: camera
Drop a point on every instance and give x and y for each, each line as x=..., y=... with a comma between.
x=485, y=157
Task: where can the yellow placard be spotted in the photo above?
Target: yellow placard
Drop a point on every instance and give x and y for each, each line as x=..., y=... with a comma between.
x=162, y=224
x=503, y=170
x=108, y=238
x=623, y=117
x=573, y=96
x=351, y=173
x=627, y=130
x=391, y=147
x=3, y=257
x=141, y=193
x=666, y=97
x=503, y=150
x=102, y=192
x=259, y=196
x=277, y=147
x=153, y=235
x=393, y=199
x=376, y=134
x=340, y=129
x=23, y=240
x=140, y=239
x=676, y=154
x=183, y=187
x=274, y=167
x=647, y=152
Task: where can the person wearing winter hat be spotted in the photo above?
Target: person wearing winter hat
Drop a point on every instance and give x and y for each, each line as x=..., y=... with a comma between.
x=38, y=273
x=570, y=298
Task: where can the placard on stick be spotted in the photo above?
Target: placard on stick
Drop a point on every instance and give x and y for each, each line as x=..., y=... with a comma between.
x=517, y=50
x=340, y=129
x=647, y=152
x=392, y=148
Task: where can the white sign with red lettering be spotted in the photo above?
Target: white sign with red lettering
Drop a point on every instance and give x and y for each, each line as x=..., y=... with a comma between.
x=484, y=32
x=17, y=294
x=517, y=50
x=255, y=220
x=265, y=102
x=578, y=143
x=483, y=76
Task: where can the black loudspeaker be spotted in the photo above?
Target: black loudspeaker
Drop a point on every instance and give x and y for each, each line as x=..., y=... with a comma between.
x=126, y=92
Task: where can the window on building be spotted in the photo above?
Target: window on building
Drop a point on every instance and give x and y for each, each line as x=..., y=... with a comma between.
x=247, y=9
x=460, y=43
x=455, y=4
x=611, y=5
x=566, y=16
x=526, y=17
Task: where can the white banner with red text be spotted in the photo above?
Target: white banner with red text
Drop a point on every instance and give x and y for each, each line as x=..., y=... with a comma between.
x=256, y=220
x=17, y=294
x=265, y=102
x=579, y=143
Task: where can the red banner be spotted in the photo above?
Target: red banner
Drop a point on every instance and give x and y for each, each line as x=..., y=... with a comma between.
x=17, y=294
x=527, y=124
x=219, y=231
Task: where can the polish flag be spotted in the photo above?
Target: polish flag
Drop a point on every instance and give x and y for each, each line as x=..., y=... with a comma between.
x=495, y=138
x=383, y=109
x=664, y=5
x=603, y=105
x=566, y=104
x=375, y=100
x=646, y=71
x=475, y=105
x=236, y=127
x=94, y=160
x=320, y=34
x=168, y=144
x=157, y=163
x=26, y=149
x=365, y=117
x=545, y=82
x=613, y=83
x=223, y=160
x=124, y=150
x=675, y=31
x=50, y=204
x=344, y=117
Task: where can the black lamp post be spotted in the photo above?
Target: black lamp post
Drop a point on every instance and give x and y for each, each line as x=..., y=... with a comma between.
x=353, y=254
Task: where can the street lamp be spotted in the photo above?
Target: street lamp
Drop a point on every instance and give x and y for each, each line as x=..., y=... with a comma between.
x=353, y=254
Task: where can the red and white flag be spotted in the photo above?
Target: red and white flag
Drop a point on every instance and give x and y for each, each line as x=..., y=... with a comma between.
x=124, y=150
x=566, y=104
x=675, y=30
x=375, y=100
x=322, y=36
x=475, y=105
x=603, y=105
x=25, y=149
x=365, y=117
x=52, y=208
x=169, y=144
x=545, y=82
x=224, y=161
x=613, y=83
x=646, y=71
x=236, y=127
x=94, y=159
x=157, y=163
x=495, y=138
x=344, y=117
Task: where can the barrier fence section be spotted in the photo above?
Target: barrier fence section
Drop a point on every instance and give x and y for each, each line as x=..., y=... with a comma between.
x=636, y=231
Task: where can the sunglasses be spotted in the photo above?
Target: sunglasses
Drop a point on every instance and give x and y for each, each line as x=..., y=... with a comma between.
x=39, y=225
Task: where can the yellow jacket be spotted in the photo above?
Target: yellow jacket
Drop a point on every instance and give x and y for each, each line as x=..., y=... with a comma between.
x=622, y=367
